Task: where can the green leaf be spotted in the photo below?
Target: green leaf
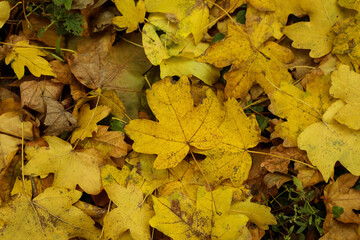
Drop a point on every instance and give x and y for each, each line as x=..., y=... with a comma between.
x=298, y=183
x=218, y=37
x=116, y=125
x=337, y=211
x=241, y=15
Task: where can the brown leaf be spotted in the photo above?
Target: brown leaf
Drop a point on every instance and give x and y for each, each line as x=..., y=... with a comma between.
x=340, y=194
x=9, y=101
x=109, y=143
x=98, y=64
x=274, y=164
x=337, y=230
x=275, y=179
x=57, y=119
x=62, y=72
x=308, y=176
x=33, y=93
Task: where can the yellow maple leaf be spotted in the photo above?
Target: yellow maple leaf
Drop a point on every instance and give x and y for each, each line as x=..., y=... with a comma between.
x=131, y=14
x=4, y=12
x=192, y=16
x=70, y=167
x=316, y=35
x=249, y=65
x=87, y=121
x=345, y=84
x=110, y=98
x=23, y=54
x=229, y=158
x=300, y=108
x=180, y=218
x=328, y=142
x=265, y=19
x=132, y=213
x=180, y=126
x=55, y=217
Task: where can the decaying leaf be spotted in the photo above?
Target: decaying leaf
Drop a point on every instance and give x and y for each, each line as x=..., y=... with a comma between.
x=98, y=64
x=50, y=215
x=180, y=126
x=70, y=167
x=11, y=123
x=33, y=93
x=340, y=194
x=23, y=54
x=108, y=143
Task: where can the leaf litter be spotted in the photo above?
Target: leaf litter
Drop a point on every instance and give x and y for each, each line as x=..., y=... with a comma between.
x=153, y=127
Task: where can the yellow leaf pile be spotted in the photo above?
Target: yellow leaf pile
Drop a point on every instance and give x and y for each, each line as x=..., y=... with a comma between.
x=180, y=119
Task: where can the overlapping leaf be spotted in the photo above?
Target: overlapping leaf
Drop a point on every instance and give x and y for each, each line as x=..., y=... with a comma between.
x=180, y=126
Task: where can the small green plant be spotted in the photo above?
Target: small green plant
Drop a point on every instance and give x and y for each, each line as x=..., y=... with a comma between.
x=297, y=213
x=65, y=21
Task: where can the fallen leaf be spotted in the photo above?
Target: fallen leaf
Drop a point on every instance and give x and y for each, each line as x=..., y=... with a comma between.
x=23, y=54
x=9, y=101
x=345, y=84
x=338, y=230
x=11, y=123
x=180, y=66
x=8, y=149
x=266, y=19
x=144, y=175
x=131, y=213
x=316, y=35
x=299, y=108
x=181, y=218
x=110, y=98
x=276, y=179
x=340, y=194
x=346, y=40
x=258, y=214
x=98, y=64
x=350, y=4
x=87, y=121
x=49, y=215
x=264, y=66
x=328, y=142
x=70, y=167
x=192, y=16
x=4, y=12
x=132, y=14
x=57, y=119
x=33, y=93
x=180, y=126
x=108, y=143
x=229, y=159
x=275, y=164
